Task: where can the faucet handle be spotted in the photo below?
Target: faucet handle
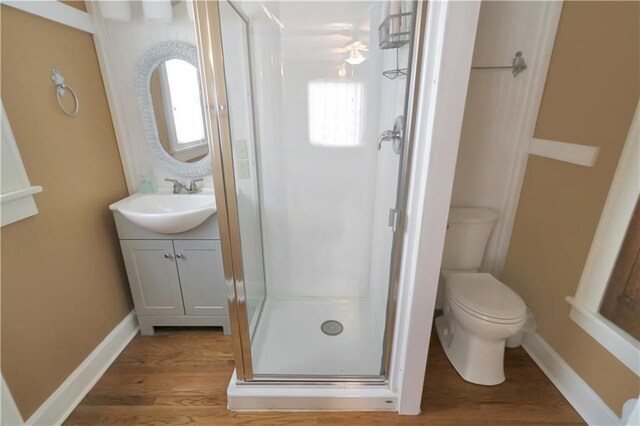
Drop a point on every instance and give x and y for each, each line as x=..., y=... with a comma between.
x=177, y=185
x=192, y=186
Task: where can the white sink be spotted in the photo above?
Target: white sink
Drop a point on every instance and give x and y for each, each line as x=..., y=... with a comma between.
x=167, y=213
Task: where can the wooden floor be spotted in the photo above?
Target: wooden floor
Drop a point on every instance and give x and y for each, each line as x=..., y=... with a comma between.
x=180, y=378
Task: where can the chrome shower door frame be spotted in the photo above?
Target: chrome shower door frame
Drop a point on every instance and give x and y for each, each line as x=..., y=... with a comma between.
x=211, y=58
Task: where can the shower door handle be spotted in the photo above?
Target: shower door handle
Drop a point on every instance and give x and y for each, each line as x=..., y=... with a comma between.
x=395, y=136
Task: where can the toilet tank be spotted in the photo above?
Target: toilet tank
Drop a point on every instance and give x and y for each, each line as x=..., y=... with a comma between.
x=468, y=231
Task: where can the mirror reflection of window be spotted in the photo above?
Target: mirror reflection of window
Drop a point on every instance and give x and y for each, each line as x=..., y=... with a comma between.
x=184, y=94
x=177, y=104
x=335, y=112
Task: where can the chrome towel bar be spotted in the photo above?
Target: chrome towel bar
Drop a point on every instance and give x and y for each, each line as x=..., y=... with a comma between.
x=518, y=64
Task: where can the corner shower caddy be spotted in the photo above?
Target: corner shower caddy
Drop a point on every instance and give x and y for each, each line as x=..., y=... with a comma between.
x=394, y=38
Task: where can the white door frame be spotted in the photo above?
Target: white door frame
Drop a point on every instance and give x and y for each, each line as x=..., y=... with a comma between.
x=450, y=34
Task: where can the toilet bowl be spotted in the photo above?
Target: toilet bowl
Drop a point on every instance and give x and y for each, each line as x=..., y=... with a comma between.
x=479, y=312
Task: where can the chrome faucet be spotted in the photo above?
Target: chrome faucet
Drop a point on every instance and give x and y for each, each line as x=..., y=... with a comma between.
x=192, y=186
x=179, y=186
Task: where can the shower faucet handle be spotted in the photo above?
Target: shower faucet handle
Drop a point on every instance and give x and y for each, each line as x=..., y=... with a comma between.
x=387, y=135
x=396, y=135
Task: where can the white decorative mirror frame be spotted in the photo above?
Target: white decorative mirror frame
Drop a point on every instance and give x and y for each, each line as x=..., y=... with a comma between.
x=148, y=63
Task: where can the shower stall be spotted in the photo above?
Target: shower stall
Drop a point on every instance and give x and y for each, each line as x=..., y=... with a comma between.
x=310, y=114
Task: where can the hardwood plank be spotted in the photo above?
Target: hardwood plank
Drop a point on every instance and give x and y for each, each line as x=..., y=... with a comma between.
x=180, y=377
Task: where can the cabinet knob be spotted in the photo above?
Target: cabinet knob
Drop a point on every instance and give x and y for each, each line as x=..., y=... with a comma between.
x=168, y=256
x=180, y=256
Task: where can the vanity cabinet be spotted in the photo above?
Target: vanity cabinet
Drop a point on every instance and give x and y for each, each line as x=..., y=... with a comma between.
x=198, y=262
x=153, y=277
x=175, y=279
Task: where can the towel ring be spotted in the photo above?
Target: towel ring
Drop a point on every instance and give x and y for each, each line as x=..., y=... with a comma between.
x=61, y=89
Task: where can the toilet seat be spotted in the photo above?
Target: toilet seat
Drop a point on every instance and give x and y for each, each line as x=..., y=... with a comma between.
x=484, y=297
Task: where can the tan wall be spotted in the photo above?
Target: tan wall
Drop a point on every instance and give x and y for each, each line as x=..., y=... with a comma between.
x=591, y=93
x=63, y=282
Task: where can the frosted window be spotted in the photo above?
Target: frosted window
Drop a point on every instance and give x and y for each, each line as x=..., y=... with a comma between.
x=182, y=79
x=335, y=112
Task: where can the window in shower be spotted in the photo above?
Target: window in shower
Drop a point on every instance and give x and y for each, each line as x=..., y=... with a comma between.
x=335, y=112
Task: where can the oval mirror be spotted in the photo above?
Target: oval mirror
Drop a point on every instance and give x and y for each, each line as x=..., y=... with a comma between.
x=170, y=99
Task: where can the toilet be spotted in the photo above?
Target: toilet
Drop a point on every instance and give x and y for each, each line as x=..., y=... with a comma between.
x=479, y=313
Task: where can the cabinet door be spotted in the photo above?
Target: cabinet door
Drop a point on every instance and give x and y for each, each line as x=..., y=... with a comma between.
x=201, y=276
x=153, y=277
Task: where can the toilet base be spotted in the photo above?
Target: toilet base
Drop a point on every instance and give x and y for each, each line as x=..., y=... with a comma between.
x=477, y=360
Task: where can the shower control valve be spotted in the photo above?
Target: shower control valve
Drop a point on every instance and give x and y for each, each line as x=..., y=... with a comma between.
x=396, y=136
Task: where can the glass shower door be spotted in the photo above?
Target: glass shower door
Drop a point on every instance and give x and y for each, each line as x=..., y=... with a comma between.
x=310, y=105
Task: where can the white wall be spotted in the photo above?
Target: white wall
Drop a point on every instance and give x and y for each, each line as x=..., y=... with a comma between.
x=126, y=42
x=318, y=201
x=498, y=114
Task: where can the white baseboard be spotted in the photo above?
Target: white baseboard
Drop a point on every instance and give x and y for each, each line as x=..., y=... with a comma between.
x=302, y=397
x=579, y=394
x=9, y=414
x=64, y=400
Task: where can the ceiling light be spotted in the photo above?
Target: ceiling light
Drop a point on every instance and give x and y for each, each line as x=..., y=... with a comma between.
x=355, y=57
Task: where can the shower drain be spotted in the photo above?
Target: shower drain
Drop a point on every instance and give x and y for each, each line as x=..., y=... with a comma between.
x=331, y=327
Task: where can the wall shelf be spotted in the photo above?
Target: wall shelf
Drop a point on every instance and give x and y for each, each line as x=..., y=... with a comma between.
x=395, y=30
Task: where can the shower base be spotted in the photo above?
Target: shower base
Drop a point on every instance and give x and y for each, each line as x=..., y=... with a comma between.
x=289, y=339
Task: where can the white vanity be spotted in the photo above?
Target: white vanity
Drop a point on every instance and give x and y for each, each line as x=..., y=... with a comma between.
x=176, y=278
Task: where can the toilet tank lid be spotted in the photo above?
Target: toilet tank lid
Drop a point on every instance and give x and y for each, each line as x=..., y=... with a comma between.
x=484, y=294
x=468, y=215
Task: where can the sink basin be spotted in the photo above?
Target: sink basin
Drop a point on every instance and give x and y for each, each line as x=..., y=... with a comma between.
x=167, y=213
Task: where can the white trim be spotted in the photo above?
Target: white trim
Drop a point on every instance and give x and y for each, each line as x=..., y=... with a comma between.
x=109, y=71
x=631, y=412
x=579, y=394
x=309, y=398
x=614, y=221
x=16, y=195
x=17, y=203
x=192, y=151
x=538, y=69
x=615, y=340
x=9, y=414
x=450, y=31
x=582, y=155
x=64, y=400
x=615, y=218
x=55, y=11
